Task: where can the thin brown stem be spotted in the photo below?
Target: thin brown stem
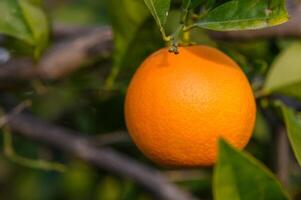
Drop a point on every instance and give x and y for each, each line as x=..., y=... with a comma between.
x=283, y=156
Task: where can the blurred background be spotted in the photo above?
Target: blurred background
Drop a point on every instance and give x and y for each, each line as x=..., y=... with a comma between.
x=89, y=99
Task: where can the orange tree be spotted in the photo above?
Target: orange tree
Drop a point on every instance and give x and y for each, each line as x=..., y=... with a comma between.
x=188, y=104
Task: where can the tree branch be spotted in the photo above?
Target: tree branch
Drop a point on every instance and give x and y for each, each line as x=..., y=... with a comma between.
x=283, y=156
x=109, y=138
x=67, y=54
x=104, y=158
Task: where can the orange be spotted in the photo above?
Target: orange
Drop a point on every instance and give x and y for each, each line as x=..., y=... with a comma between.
x=178, y=106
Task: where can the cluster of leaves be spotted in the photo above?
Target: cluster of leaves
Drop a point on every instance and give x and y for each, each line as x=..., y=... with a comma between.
x=237, y=175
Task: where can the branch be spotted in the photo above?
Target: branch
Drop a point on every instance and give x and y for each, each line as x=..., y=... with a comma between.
x=109, y=138
x=283, y=156
x=104, y=158
x=186, y=175
x=16, y=110
x=68, y=53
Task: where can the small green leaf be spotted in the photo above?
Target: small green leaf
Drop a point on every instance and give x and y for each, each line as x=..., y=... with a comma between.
x=285, y=74
x=239, y=176
x=245, y=14
x=159, y=9
x=293, y=125
x=24, y=20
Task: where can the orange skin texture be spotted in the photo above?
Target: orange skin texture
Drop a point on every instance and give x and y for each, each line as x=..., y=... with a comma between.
x=178, y=106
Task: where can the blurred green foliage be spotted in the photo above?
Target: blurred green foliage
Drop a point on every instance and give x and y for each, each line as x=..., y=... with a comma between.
x=79, y=12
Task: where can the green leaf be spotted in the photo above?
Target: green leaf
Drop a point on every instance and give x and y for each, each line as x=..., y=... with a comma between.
x=285, y=74
x=245, y=14
x=26, y=21
x=159, y=9
x=293, y=125
x=239, y=176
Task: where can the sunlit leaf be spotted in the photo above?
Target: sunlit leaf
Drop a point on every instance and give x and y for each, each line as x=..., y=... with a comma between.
x=239, y=176
x=293, y=125
x=245, y=14
x=285, y=74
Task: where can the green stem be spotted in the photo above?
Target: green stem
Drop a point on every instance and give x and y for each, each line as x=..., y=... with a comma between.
x=164, y=36
x=109, y=83
x=176, y=35
x=37, y=164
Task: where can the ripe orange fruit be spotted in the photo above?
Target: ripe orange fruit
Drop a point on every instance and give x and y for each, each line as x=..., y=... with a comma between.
x=178, y=106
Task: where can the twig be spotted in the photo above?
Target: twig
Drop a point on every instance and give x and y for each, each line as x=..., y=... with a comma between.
x=9, y=151
x=64, y=57
x=104, y=158
x=18, y=109
x=283, y=156
x=186, y=175
x=110, y=138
